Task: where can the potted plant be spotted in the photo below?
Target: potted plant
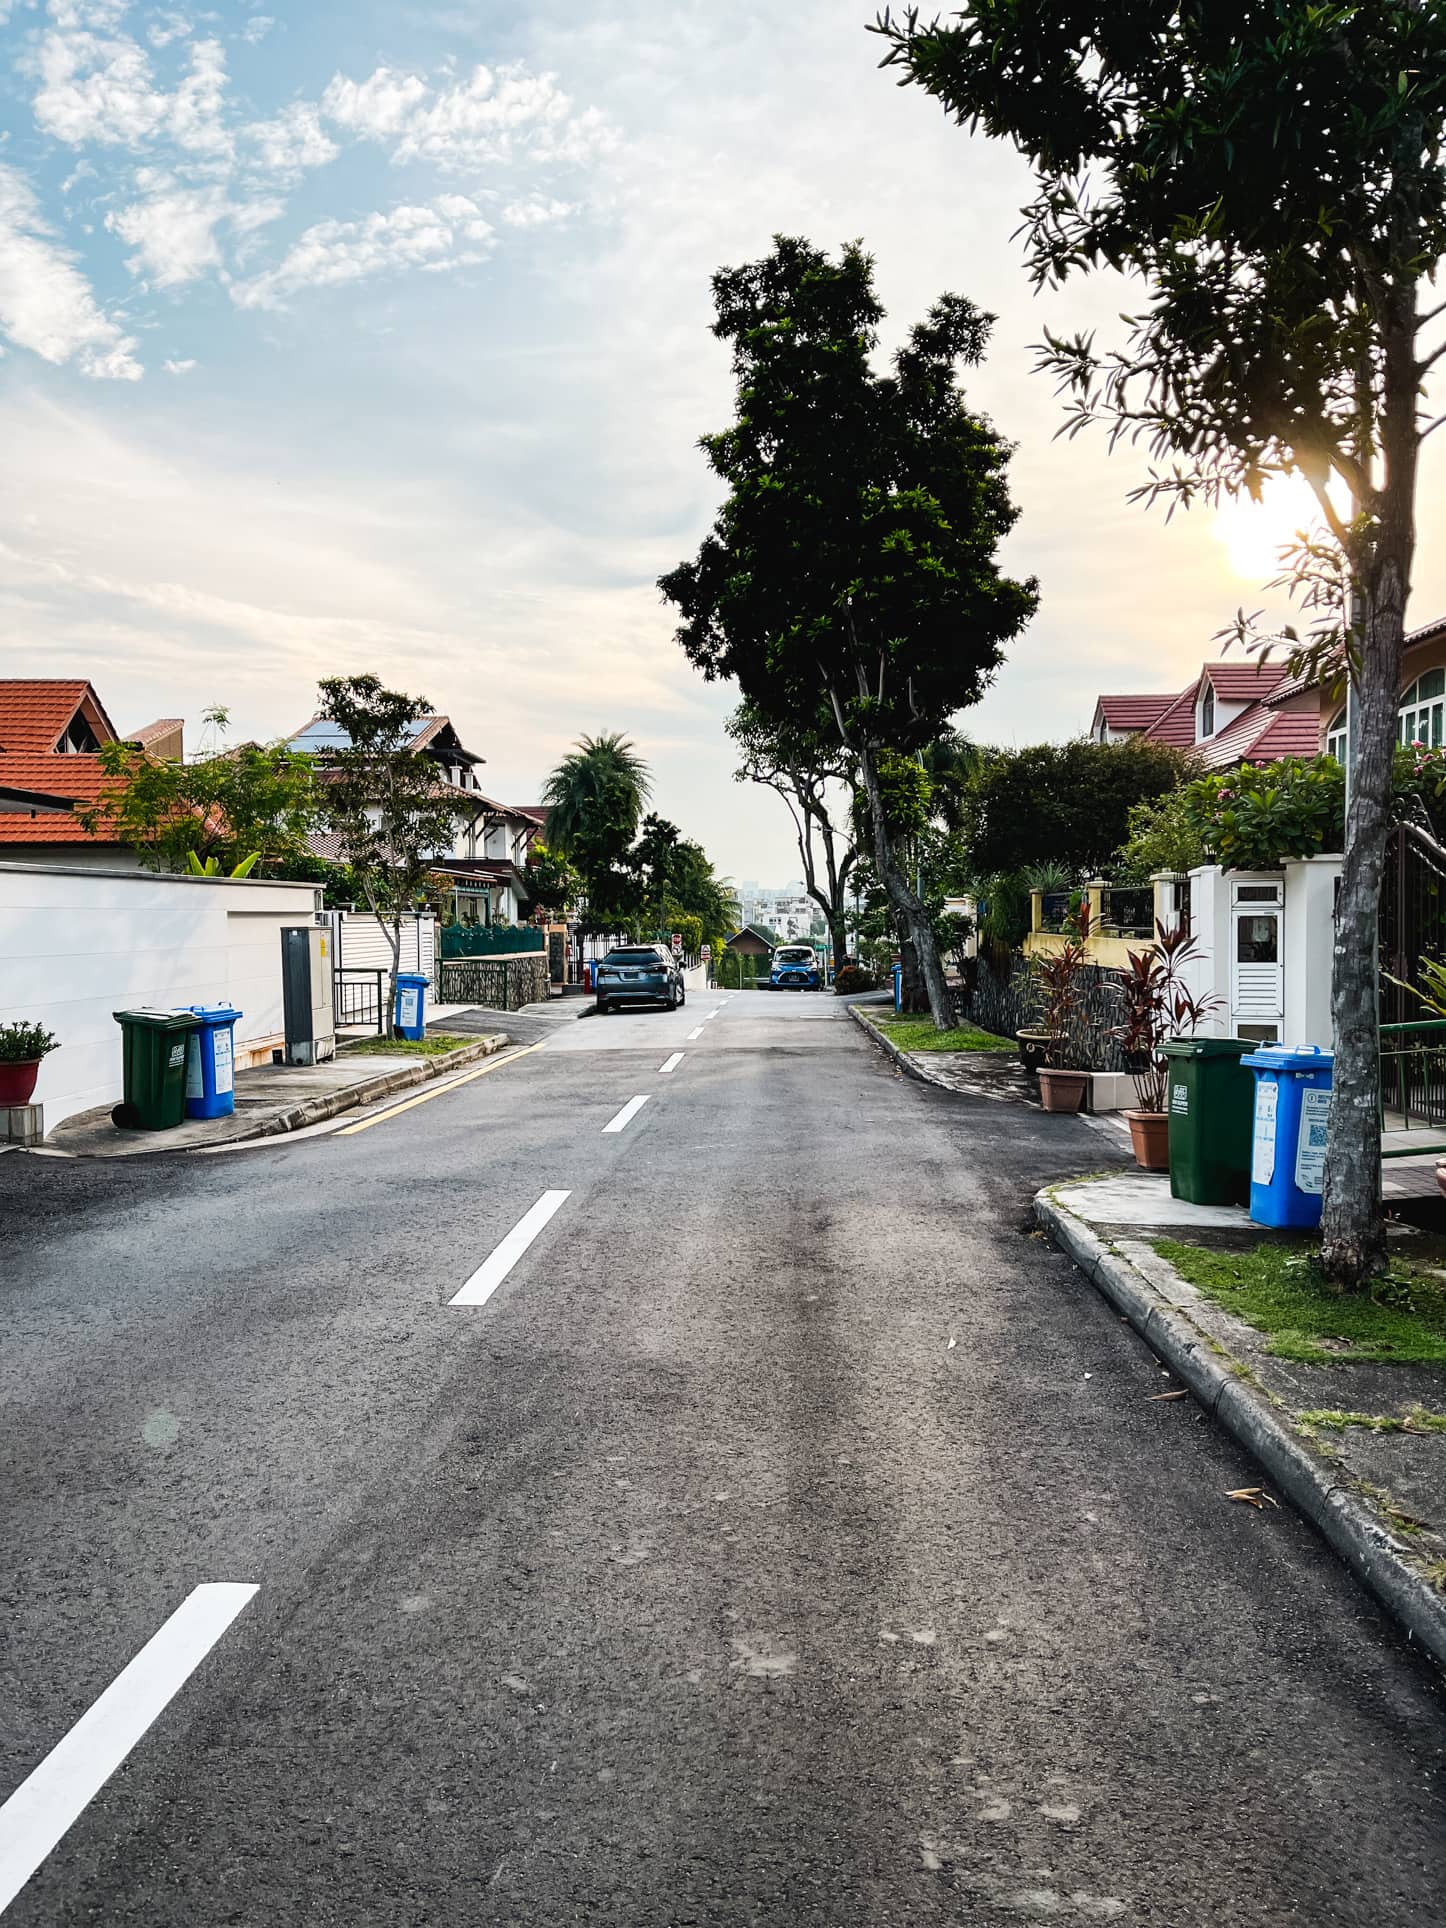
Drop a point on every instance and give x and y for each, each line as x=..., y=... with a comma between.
x=1061, y=1083
x=22, y=1046
x=1157, y=1005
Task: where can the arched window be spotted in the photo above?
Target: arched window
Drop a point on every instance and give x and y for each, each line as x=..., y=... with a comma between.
x=1336, y=738
x=1423, y=710
x=1207, y=711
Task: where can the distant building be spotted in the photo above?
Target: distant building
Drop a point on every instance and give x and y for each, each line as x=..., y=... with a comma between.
x=789, y=911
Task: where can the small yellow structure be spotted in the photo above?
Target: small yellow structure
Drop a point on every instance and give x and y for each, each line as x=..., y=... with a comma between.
x=1105, y=945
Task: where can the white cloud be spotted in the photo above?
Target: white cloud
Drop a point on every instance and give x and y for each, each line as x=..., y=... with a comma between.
x=173, y=233
x=173, y=367
x=173, y=228
x=103, y=90
x=536, y=212
x=376, y=108
x=449, y=233
x=293, y=141
x=166, y=27
x=46, y=304
x=493, y=115
x=257, y=28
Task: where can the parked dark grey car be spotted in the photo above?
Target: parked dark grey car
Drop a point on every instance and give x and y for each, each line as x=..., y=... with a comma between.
x=639, y=974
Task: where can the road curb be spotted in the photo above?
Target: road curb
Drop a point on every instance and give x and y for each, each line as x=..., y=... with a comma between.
x=1377, y=1557
x=316, y=1111
x=890, y=1049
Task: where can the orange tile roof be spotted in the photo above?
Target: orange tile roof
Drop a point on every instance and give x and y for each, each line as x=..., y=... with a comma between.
x=77, y=777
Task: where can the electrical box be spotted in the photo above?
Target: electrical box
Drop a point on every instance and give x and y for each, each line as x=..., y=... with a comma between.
x=306, y=984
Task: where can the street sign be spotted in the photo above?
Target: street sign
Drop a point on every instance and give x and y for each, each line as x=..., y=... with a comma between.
x=677, y=940
x=707, y=952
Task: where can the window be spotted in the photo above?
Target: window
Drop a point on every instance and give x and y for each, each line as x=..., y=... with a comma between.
x=1257, y=940
x=1423, y=710
x=1207, y=710
x=1336, y=738
x=79, y=739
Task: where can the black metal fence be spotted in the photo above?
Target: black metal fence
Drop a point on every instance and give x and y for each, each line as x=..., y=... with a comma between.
x=1413, y=1080
x=1413, y=917
x=359, y=997
x=1000, y=995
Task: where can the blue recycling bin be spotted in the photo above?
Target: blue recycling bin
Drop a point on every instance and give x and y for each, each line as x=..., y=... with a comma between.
x=211, y=1062
x=1287, y=1162
x=898, y=987
x=410, y=1019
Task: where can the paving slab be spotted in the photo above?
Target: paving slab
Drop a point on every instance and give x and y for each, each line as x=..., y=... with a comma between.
x=272, y=1099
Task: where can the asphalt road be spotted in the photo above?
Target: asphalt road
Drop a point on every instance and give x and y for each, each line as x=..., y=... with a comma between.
x=688, y=1572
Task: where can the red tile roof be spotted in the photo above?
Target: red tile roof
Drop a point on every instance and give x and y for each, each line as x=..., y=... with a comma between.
x=1291, y=733
x=1133, y=712
x=1176, y=725
x=1244, y=682
x=1261, y=734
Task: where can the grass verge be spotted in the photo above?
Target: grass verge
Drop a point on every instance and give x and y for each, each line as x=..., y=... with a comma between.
x=435, y=1047
x=918, y=1034
x=1416, y=1420
x=1277, y=1289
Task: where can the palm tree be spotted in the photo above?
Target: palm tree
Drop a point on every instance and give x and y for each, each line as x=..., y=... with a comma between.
x=595, y=797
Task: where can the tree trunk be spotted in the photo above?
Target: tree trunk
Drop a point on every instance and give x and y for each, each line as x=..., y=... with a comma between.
x=905, y=901
x=1353, y=1240
x=394, y=938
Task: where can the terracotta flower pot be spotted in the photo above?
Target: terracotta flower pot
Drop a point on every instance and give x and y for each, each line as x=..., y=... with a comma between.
x=1062, y=1090
x=1150, y=1136
x=17, y=1082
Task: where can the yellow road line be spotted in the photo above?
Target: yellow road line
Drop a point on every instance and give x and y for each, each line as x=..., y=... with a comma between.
x=439, y=1090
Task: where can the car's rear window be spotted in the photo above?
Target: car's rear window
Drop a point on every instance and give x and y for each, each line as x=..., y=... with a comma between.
x=631, y=957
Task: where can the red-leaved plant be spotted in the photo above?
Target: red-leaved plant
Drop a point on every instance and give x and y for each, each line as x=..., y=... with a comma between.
x=1158, y=1005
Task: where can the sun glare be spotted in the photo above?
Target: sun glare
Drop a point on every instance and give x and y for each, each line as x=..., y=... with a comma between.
x=1254, y=533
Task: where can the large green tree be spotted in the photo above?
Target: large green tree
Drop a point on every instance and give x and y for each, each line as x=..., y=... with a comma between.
x=852, y=565
x=251, y=806
x=1067, y=804
x=1273, y=170
x=815, y=774
x=388, y=803
x=595, y=799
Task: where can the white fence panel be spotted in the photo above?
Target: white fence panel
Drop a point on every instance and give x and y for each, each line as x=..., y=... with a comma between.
x=77, y=945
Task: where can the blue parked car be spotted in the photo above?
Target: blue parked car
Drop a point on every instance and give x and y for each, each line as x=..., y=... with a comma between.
x=795, y=967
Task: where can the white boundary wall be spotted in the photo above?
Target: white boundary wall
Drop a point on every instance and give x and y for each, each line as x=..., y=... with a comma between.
x=76, y=945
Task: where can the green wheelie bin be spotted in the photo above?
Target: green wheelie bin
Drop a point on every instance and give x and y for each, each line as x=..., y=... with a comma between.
x=153, y=1044
x=1210, y=1101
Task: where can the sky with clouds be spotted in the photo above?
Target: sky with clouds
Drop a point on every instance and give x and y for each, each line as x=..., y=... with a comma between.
x=375, y=336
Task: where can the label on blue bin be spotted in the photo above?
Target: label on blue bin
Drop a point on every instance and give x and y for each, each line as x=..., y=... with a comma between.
x=1262, y=1159
x=1310, y=1147
x=221, y=1044
x=407, y=1007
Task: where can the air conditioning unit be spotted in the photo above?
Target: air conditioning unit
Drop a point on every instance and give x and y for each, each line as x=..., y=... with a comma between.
x=306, y=987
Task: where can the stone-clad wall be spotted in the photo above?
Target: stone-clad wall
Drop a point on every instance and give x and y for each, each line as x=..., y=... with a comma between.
x=501, y=983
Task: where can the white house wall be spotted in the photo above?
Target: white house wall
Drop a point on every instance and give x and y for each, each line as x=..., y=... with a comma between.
x=77, y=945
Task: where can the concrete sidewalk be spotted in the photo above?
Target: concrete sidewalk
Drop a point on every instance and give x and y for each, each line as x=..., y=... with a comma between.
x=273, y=1099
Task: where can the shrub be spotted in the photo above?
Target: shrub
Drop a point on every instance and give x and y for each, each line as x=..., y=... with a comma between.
x=850, y=978
x=23, y=1043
